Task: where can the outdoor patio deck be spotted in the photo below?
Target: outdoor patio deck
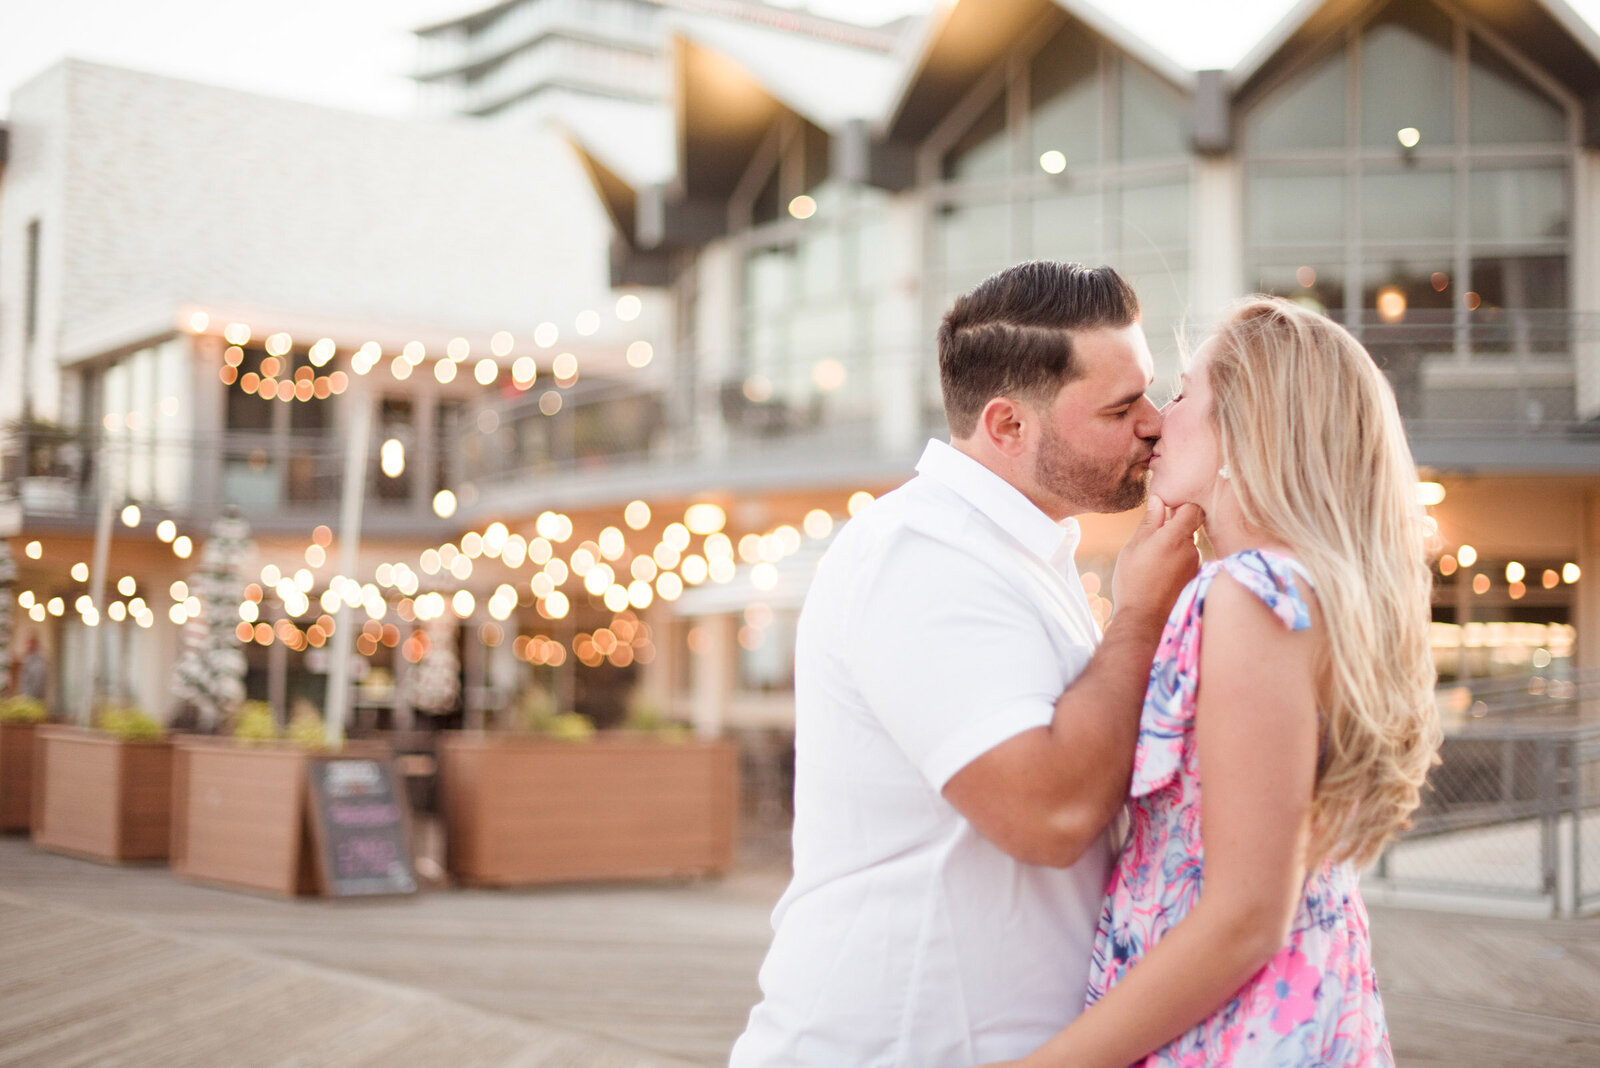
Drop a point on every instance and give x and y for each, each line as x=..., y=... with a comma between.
x=129, y=966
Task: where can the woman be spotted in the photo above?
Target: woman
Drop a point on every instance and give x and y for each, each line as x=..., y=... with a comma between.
x=1233, y=932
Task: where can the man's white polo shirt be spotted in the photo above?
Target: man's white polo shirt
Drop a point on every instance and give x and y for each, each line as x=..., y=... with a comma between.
x=945, y=619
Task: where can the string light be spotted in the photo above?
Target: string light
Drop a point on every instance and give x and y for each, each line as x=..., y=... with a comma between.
x=270, y=381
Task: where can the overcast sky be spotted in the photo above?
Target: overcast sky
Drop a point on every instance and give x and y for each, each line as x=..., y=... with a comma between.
x=356, y=53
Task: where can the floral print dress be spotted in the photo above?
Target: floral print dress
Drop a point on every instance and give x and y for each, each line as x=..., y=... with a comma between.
x=1316, y=1002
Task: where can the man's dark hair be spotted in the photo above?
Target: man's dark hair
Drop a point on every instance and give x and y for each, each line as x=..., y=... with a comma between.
x=1012, y=334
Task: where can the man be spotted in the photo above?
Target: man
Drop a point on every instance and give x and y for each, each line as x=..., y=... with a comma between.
x=963, y=733
x=33, y=675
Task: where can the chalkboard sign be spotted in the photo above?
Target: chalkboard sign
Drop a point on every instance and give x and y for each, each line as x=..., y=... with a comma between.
x=361, y=827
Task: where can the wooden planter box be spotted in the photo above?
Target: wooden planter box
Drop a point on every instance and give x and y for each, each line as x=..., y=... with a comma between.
x=522, y=811
x=100, y=796
x=239, y=814
x=16, y=776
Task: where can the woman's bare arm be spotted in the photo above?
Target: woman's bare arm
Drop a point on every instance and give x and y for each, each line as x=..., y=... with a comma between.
x=1256, y=727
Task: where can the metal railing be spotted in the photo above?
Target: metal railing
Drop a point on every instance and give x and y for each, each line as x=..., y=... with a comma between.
x=56, y=475
x=1507, y=369
x=610, y=434
x=1512, y=811
x=1458, y=385
x=1457, y=380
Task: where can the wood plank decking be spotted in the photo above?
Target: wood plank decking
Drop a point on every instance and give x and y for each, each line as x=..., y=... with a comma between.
x=129, y=966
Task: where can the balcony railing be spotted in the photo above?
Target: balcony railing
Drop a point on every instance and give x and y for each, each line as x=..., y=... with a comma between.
x=56, y=477
x=1476, y=394
x=1514, y=367
x=1485, y=391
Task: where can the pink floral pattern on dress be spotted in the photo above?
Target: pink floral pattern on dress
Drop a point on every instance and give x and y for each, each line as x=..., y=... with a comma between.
x=1316, y=1002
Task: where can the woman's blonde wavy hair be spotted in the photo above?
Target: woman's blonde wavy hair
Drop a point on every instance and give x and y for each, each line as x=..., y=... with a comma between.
x=1319, y=460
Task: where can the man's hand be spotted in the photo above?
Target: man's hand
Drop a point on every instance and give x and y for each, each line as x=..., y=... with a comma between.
x=1158, y=560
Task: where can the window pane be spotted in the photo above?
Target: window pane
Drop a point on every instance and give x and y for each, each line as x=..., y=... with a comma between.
x=983, y=151
x=1318, y=284
x=1163, y=291
x=768, y=283
x=1294, y=208
x=1518, y=305
x=972, y=238
x=823, y=272
x=174, y=460
x=1408, y=289
x=1520, y=282
x=821, y=332
x=1308, y=113
x=1406, y=77
x=396, y=419
x=764, y=350
x=246, y=411
x=1519, y=204
x=1408, y=206
x=1506, y=108
x=765, y=207
x=1066, y=226
x=316, y=415
x=1153, y=116
x=1405, y=318
x=870, y=252
x=1065, y=96
x=1155, y=217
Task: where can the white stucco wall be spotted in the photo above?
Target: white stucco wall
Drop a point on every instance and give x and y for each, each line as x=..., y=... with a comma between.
x=155, y=193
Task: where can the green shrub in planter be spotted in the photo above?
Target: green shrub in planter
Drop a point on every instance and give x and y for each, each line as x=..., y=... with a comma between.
x=131, y=724
x=254, y=723
x=306, y=729
x=647, y=717
x=536, y=713
x=23, y=709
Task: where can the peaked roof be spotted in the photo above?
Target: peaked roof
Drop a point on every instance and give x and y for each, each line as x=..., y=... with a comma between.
x=961, y=40
x=859, y=76
x=1550, y=30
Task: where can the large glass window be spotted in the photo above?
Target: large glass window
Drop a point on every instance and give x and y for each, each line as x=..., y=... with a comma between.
x=1149, y=106
x=1407, y=76
x=813, y=292
x=1407, y=205
x=1308, y=114
x=1066, y=99
x=1506, y=107
x=1433, y=208
x=984, y=151
x=145, y=404
x=1519, y=203
x=1296, y=209
x=1104, y=177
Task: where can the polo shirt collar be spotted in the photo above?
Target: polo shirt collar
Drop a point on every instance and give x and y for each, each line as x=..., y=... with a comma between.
x=1002, y=502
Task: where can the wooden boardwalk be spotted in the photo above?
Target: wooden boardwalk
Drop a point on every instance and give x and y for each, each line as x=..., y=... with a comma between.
x=129, y=966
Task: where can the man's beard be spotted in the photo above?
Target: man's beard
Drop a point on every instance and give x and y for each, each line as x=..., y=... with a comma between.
x=1090, y=485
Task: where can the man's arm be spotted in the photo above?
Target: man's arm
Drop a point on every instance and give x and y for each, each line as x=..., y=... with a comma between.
x=1046, y=794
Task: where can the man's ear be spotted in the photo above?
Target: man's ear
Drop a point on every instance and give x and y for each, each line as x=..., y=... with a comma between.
x=1004, y=424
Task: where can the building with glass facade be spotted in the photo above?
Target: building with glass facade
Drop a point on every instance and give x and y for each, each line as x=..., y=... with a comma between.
x=726, y=274
x=1423, y=172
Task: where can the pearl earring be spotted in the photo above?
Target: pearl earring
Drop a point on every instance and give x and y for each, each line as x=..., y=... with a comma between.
x=1225, y=471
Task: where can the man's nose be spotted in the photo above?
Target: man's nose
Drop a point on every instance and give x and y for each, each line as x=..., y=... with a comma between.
x=1150, y=418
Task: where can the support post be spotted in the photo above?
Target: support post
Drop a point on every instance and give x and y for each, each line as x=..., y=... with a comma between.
x=97, y=590
x=350, y=505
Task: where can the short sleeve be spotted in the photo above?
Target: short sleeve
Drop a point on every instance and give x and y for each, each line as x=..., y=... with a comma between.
x=1274, y=579
x=1169, y=700
x=951, y=658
